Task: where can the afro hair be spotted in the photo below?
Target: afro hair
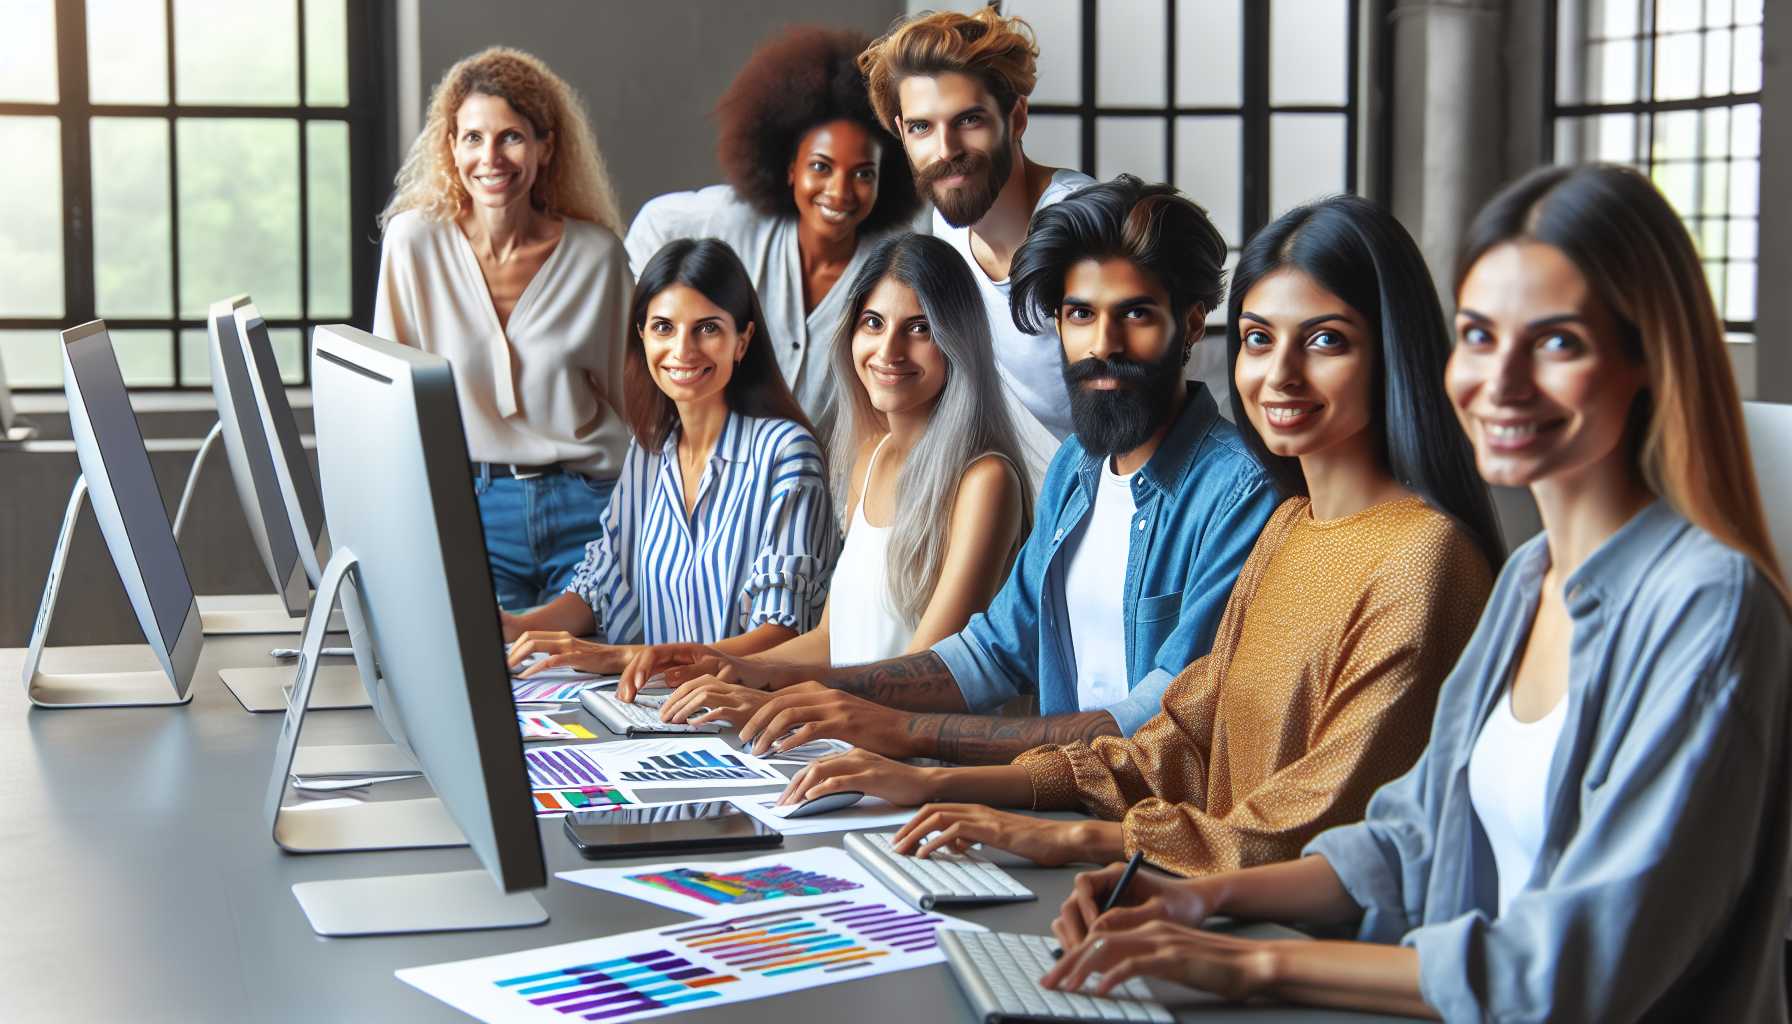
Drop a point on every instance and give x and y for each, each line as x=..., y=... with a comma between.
x=805, y=76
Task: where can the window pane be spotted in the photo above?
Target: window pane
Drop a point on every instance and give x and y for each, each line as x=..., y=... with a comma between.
x=1748, y=12
x=289, y=351
x=33, y=358
x=1306, y=158
x=1717, y=63
x=133, y=243
x=1309, y=58
x=1613, y=18
x=1058, y=26
x=146, y=358
x=327, y=152
x=1676, y=136
x=1745, y=188
x=1678, y=15
x=239, y=213
x=1608, y=137
x=127, y=51
x=195, y=358
x=1714, y=188
x=1747, y=53
x=1739, y=291
x=237, y=52
x=1709, y=236
x=31, y=218
x=1611, y=72
x=28, y=52
x=1209, y=49
x=1055, y=140
x=1744, y=241
x=326, y=53
x=1678, y=183
x=1677, y=66
x=1134, y=145
x=1209, y=162
x=1745, y=130
x=1130, y=68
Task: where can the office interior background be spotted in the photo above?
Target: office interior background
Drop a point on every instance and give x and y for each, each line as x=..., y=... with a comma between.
x=165, y=154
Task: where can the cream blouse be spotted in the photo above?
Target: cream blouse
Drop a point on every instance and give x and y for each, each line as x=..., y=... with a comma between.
x=548, y=388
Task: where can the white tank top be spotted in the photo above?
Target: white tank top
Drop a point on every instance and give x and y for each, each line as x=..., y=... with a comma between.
x=862, y=624
x=1508, y=783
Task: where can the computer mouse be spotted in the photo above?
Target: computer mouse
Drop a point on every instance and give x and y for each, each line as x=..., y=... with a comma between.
x=823, y=804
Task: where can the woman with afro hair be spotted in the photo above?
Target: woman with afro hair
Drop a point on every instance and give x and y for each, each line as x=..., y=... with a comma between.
x=813, y=184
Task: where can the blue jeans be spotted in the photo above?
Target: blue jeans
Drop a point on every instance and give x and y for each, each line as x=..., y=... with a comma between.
x=536, y=531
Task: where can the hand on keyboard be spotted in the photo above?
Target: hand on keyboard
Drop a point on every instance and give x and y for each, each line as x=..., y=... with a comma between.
x=1226, y=965
x=707, y=698
x=1149, y=896
x=562, y=649
x=955, y=828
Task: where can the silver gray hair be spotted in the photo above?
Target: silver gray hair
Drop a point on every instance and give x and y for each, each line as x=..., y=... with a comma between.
x=970, y=417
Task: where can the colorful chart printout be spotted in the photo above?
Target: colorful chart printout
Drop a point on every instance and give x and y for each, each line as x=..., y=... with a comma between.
x=552, y=767
x=754, y=885
x=549, y=802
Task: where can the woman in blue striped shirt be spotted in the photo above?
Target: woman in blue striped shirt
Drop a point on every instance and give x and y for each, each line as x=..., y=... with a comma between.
x=720, y=530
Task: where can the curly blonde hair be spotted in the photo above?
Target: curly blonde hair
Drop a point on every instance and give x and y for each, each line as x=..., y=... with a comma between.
x=573, y=184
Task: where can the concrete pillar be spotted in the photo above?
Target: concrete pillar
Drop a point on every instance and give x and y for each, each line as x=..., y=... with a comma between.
x=1773, y=310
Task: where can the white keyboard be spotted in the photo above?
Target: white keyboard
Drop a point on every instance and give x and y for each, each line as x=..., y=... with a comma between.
x=643, y=716
x=937, y=878
x=1000, y=971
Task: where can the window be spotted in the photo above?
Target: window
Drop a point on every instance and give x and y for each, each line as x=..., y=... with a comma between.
x=178, y=152
x=1247, y=106
x=1673, y=88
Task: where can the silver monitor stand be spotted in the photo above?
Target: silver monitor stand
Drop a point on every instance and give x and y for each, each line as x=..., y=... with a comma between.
x=451, y=901
x=130, y=684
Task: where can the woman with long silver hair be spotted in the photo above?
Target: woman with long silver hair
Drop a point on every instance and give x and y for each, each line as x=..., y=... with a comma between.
x=937, y=497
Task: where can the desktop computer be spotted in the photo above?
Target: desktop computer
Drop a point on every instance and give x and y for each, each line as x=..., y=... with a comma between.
x=409, y=556
x=256, y=447
x=116, y=475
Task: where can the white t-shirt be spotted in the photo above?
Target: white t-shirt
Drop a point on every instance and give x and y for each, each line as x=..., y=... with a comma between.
x=1508, y=783
x=1095, y=589
x=1031, y=365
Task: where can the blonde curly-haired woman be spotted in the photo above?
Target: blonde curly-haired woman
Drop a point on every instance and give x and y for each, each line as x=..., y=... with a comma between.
x=502, y=253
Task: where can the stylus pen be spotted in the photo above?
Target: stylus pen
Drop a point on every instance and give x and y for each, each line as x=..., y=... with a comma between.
x=1131, y=869
x=288, y=653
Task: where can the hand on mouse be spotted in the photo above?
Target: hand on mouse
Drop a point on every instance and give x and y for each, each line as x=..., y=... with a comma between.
x=871, y=774
x=957, y=827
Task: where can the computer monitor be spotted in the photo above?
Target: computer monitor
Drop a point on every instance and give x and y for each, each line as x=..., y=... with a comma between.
x=12, y=428
x=398, y=492
x=250, y=452
x=292, y=470
x=116, y=475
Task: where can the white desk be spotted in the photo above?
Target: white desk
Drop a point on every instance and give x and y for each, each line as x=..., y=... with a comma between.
x=139, y=883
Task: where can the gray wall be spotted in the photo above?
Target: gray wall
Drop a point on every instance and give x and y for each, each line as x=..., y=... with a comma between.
x=649, y=70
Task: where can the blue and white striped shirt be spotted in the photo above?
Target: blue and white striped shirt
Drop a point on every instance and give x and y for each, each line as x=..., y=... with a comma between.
x=758, y=548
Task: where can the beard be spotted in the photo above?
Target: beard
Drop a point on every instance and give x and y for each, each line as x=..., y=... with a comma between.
x=1115, y=421
x=985, y=174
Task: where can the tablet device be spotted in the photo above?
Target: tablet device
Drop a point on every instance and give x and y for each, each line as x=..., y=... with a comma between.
x=629, y=831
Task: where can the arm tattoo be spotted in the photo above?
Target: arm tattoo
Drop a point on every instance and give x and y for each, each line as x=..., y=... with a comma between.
x=914, y=682
x=989, y=739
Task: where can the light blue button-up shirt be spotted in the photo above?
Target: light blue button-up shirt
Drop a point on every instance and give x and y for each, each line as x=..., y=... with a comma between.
x=1201, y=500
x=1661, y=890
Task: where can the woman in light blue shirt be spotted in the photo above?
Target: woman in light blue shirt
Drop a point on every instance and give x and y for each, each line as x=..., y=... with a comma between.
x=720, y=530
x=1639, y=869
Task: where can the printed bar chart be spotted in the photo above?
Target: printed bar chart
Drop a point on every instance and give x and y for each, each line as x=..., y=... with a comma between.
x=563, y=766
x=583, y=798
x=694, y=766
x=565, y=693
x=827, y=937
x=620, y=987
x=754, y=886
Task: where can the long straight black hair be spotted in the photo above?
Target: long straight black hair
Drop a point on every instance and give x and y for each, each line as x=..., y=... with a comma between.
x=1356, y=250
x=757, y=388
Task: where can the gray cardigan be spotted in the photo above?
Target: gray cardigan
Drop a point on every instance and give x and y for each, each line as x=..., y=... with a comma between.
x=1661, y=890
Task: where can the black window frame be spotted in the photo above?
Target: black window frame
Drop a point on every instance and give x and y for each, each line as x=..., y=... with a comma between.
x=1645, y=110
x=371, y=31
x=1254, y=113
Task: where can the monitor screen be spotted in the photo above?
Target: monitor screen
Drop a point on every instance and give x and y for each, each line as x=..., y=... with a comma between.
x=278, y=412
x=251, y=458
x=398, y=491
x=131, y=482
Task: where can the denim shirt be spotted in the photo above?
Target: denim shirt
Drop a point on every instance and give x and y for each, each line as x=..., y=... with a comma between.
x=1660, y=891
x=1201, y=501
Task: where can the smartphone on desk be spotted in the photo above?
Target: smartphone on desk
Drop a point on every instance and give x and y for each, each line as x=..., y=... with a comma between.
x=630, y=831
